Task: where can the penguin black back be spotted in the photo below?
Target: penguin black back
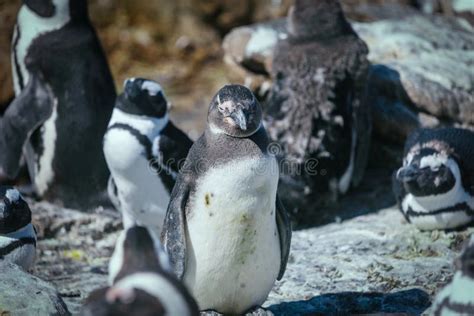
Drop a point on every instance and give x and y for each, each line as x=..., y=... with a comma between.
x=56, y=40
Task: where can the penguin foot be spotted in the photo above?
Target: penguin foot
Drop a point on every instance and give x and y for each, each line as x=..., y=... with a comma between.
x=210, y=312
x=259, y=311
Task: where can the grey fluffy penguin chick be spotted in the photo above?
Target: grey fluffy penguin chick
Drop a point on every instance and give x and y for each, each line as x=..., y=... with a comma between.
x=226, y=231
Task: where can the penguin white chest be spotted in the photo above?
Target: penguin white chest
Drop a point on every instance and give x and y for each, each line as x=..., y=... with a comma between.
x=233, y=250
x=141, y=192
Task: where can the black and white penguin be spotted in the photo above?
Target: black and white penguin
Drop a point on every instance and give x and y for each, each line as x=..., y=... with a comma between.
x=227, y=234
x=435, y=186
x=316, y=109
x=142, y=282
x=143, y=150
x=17, y=234
x=457, y=297
x=57, y=55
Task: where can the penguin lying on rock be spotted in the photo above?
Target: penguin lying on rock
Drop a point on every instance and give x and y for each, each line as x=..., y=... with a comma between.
x=457, y=298
x=435, y=186
x=143, y=149
x=17, y=234
x=142, y=283
x=227, y=234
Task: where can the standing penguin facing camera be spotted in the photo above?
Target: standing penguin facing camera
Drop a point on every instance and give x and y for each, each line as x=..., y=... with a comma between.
x=227, y=234
x=64, y=98
x=144, y=150
x=316, y=107
x=435, y=186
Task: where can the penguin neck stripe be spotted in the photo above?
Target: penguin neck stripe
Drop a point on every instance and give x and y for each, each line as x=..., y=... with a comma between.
x=142, y=139
x=16, y=244
x=460, y=207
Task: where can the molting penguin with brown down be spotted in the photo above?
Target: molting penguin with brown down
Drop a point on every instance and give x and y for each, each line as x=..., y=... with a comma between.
x=227, y=233
x=17, y=234
x=316, y=108
x=435, y=186
x=141, y=281
x=64, y=98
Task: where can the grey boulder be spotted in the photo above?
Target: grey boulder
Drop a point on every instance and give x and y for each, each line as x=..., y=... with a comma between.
x=24, y=294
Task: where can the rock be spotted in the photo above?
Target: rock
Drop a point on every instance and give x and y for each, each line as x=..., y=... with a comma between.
x=392, y=119
x=74, y=248
x=25, y=294
x=434, y=57
x=370, y=264
x=427, y=59
x=367, y=12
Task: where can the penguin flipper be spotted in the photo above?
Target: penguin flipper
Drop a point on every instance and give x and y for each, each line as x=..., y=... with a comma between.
x=23, y=116
x=284, y=231
x=174, y=145
x=173, y=236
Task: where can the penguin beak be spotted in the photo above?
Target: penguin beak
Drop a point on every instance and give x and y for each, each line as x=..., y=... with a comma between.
x=407, y=174
x=238, y=116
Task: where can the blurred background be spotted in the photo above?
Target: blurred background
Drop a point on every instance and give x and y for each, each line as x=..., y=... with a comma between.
x=178, y=43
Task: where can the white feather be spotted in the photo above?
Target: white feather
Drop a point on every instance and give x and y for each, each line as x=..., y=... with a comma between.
x=44, y=173
x=233, y=250
x=152, y=87
x=13, y=195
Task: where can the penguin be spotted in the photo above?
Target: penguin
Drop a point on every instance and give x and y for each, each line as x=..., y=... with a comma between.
x=435, y=186
x=315, y=109
x=457, y=298
x=226, y=232
x=57, y=55
x=141, y=281
x=17, y=234
x=143, y=150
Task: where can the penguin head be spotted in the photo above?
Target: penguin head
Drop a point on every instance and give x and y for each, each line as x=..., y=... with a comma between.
x=235, y=111
x=143, y=97
x=14, y=211
x=121, y=300
x=429, y=172
x=137, y=249
x=59, y=9
x=316, y=19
